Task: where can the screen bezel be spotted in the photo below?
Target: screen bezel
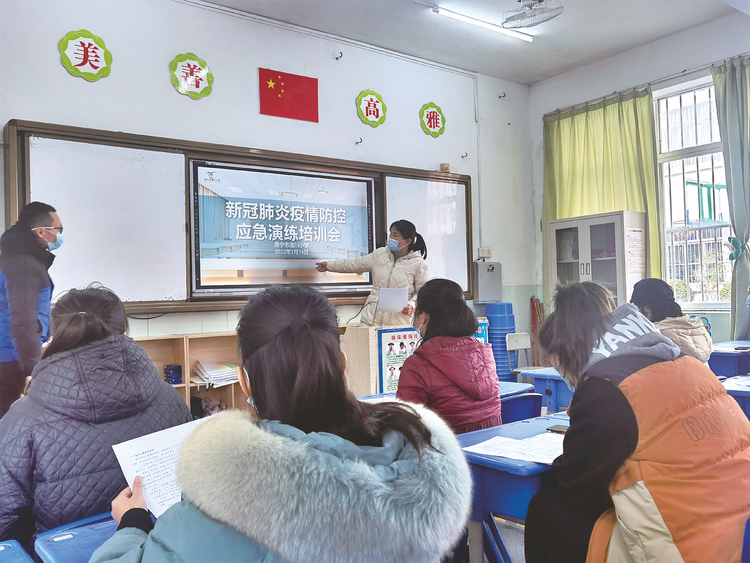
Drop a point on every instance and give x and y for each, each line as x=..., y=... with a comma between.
x=200, y=291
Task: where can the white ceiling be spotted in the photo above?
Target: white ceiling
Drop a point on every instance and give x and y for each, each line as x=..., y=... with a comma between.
x=586, y=31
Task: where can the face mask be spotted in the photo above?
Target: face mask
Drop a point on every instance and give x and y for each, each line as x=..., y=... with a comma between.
x=748, y=302
x=58, y=242
x=393, y=245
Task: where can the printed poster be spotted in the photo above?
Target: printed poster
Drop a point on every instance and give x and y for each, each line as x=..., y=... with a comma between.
x=394, y=346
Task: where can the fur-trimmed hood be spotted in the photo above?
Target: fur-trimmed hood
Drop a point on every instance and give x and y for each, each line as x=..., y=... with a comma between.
x=318, y=497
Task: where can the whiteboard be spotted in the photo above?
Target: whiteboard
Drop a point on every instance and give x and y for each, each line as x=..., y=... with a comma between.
x=123, y=213
x=438, y=211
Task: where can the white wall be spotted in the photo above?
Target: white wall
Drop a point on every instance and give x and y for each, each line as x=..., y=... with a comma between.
x=716, y=40
x=145, y=35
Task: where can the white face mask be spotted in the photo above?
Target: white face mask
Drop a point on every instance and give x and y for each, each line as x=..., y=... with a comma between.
x=568, y=383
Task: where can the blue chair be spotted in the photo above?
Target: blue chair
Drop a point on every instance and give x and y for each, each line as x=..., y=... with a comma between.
x=75, y=542
x=746, y=544
x=521, y=407
x=12, y=552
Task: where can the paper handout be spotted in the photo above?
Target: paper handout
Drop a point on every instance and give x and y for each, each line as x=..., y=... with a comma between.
x=542, y=448
x=154, y=457
x=392, y=300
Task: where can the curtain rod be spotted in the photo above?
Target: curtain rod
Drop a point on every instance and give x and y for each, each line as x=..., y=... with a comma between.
x=645, y=85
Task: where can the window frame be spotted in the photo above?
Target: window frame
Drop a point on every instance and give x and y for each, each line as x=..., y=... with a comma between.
x=679, y=155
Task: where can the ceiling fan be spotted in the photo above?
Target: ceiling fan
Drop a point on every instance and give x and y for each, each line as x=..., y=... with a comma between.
x=531, y=13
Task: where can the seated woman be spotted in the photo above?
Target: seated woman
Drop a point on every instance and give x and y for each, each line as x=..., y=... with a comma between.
x=656, y=462
x=655, y=299
x=451, y=372
x=323, y=477
x=93, y=388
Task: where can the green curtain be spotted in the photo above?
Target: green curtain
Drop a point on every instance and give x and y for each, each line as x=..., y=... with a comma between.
x=602, y=158
x=732, y=85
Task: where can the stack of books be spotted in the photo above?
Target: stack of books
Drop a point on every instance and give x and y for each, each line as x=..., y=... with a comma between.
x=173, y=374
x=214, y=374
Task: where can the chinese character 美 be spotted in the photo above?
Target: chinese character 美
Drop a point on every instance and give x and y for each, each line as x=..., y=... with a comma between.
x=192, y=72
x=334, y=235
x=88, y=54
x=433, y=119
x=277, y=232
x=244, y=232
x=250, y=211
x=312, y=214
x=259, y=231
x=320, y=234
x=339, y=216
x=298, y=213
x=372, y=109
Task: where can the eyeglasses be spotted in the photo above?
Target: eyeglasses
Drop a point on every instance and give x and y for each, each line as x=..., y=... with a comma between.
x=59, y=229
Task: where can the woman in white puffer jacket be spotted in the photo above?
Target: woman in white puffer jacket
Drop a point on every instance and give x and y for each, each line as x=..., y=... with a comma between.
x=400, y=264
x=655, y=299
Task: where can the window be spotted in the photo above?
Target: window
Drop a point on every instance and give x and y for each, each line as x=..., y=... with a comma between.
x=696, y=207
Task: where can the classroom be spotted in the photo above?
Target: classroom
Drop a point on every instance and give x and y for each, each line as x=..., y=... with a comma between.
x=588, y=147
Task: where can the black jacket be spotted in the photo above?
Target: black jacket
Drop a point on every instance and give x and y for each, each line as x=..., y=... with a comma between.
x=56, y=459
x=25, y=296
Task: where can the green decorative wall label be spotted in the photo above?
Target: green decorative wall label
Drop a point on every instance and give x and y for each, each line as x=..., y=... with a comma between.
x=432, y=119
x=371, y=108
x=190, y=76
x=85, y=55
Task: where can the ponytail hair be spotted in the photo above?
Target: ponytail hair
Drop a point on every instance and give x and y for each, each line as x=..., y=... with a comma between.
x=449, y=314
x=83, y=316
x=407, y=230
x=289, y=344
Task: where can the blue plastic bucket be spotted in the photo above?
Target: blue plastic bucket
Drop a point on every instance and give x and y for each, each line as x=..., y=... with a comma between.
x=499, y=309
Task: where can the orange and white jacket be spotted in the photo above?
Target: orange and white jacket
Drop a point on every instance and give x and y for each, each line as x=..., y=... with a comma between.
x=683, y=494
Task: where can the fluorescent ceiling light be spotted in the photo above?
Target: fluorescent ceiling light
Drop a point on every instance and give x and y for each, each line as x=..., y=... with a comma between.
x=482, y=24
x=235, y=190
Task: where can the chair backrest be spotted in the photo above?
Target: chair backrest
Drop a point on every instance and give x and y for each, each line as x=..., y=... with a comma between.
x=12, y=552
x=746, y=544
x=521, y=407
x=517, y=341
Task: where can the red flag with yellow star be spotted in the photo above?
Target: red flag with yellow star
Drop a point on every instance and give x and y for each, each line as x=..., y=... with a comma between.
x=288, y=95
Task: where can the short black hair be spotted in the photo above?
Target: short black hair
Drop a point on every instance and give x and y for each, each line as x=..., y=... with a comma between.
x=36, y=214
x=443, y=300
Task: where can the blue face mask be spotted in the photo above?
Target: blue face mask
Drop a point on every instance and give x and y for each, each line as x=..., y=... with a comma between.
x=58, y=242
x=568, y=383
x=748, y=302
x=393, y=245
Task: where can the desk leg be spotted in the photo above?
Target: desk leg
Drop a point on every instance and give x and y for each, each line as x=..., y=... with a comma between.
x=476, y=542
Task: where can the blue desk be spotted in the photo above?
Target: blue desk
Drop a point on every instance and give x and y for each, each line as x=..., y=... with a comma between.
x=727, y=360
x=503, y=486
x=75, y=542
x=12, y=552
x=550, y=383
x=507, y=389
x=741, y=393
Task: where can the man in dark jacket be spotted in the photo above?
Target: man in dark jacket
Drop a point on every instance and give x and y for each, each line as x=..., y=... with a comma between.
x=25, y=295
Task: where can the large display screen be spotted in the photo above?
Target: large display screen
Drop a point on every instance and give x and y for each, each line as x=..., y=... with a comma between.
x=258, y=226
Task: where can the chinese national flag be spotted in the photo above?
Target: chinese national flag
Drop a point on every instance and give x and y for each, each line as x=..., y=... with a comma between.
x=288, y=95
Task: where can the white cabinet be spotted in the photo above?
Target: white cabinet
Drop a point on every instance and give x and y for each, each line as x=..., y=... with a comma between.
x=609, y=248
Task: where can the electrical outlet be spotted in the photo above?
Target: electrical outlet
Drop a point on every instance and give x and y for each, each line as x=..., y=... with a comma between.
x=485, y=252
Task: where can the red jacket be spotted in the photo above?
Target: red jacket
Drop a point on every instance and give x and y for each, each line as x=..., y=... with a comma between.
x=455, y=377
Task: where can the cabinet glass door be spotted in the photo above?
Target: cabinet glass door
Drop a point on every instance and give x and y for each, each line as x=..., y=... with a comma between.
x=603, y=255
x=567, y=251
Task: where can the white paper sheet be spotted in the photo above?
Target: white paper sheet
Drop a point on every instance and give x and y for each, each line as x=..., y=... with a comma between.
x=154, y=457
x=542, y=448
x=392, y=299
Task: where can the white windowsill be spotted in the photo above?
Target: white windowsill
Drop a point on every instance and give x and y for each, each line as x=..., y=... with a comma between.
x=713, y=307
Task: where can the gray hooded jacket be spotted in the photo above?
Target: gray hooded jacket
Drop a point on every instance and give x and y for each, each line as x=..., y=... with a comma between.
x=57, y=463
